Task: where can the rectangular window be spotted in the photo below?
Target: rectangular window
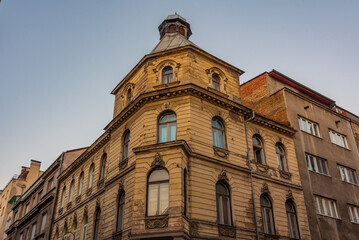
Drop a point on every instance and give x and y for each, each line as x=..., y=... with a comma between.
x=50, y=184
x=317, y=164
x=21, y=236
x=43, y=222
x=326, y=206
x=308, y=126
x=40, y=196
x=33, y=231
x=354, y=213
x=338, y=139
x=27, y=208
x=348, y=174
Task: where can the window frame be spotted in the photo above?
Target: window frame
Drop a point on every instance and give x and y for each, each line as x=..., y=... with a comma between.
x=317, y=161
x=120, y=211
x=81, y=183
x=216, y=81
x=259, y=147
x=72, y=190
x=342, y=139
x=322, y=208
x=96, y=228
x=91, y=176
x=353, y=213
x=158, y=199
x=103, y=167
x=168, y=76
x=267, y=214
x=220, y=198
x=168, y=126
x=216, y=130
x=294, y=232
x=305, y=125
x=126, y=144
x=281, y=157
x=345, y=172
x=63, y=196
x=43, y=222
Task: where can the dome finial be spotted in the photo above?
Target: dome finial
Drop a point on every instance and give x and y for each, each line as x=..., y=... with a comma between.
x=175, y=24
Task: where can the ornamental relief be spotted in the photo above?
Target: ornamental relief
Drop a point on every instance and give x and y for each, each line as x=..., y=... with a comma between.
x=158, y=70
x=156, y=222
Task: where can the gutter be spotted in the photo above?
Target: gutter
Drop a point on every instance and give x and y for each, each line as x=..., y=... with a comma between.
x=251, y=174
x=55, y=197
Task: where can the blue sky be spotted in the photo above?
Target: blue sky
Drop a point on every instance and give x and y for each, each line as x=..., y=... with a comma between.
x=59, y=60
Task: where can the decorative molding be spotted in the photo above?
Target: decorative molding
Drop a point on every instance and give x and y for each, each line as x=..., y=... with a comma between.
x=265, y=188
x=123, y=163
x=157, y=161
x=262, y=169
x=156, y=222
x=78, y=199
x=284, y=174
x=220, y=152
x=89, y=191
x=193, y=229
x=289, y=195
x=100, y=183
x=227, y=231
x=69, y=205
x=222, y=176
x=61, y=210
x=85, y=211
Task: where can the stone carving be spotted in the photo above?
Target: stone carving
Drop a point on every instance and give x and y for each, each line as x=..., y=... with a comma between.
x=78, y=199
x=85, y=211
x=157, y=161
x=265, y=188
x=100, y=183
x=121, y=186
x=227, y=231
x=222, y=176
x=289, y=195
x=123, y=163
x=89, y=191
x=262, y=169
x=61, y=211
x=220, y=152
x=194, y=229
x=285, y=175
x=69, y=205
x=157, y=222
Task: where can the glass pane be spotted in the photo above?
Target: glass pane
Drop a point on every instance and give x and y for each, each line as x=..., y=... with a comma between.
x=316, y=130
x=300, y=124
x=256, y=141
x=310, y=128
x=152, y=199
x=220, y=139
x=164, y=198
x=172, y=132
x=163, y=133
x=226, y=211
x=168, y=118
x=158, y=175
x=304, y=125
x=221, y=189
x=265, y=201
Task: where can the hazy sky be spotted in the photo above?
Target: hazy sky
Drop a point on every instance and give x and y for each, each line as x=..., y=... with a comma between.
x=59, y=60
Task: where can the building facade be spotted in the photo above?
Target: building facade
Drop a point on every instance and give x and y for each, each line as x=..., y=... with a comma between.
x=13, y=190
x=326, y=150
x=32, y=212
x=173, y=163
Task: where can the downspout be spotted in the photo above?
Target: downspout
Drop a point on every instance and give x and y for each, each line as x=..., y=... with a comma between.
x=251, y=174
x=55, y=197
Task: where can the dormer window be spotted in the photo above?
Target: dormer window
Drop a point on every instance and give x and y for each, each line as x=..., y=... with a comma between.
x=167, y=75
x=215, y=81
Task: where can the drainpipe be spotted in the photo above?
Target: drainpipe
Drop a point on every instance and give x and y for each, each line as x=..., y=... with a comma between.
x=55, y=197
x=251, y=175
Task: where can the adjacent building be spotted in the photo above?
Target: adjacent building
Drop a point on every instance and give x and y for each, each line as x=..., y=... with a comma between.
x=326, y=150
x=182, y=158
x=13, y=190
x=32, y=213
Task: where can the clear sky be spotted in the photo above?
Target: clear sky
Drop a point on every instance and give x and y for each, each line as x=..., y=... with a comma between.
x=59, y=60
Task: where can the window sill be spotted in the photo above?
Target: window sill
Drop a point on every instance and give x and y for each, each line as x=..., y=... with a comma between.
x=123, y=163
x=69, y=205
x=160, y=86
x=220, y=152
x=355, y=184
x=285, y=174
x=348, y=149
x=153, y=222
x=336, y=218
x=312, y=135
x=322, y=174
x=78, y=199
x=227, y=231
x=89, y=191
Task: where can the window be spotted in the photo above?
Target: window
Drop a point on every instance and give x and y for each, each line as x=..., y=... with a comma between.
x=97, y=225
x=39, y=196
x=81, y=183
x=348, y=174
x=354, y=214
x=63, y=196
x=167, y=75
x=282, y=162
x=43, y=222
x=72, y=187
x=21, y=236
x=74, y=230
x=50, y=184
x=129, y=96
x=215, y=81
x=16, y=215
x=217, y=133
x=126, y=145
x=66, y=236
x=91, y=175
x=308, y=126
x=326, y=206
x=103, y=166
x=7, y=225
x=317, y=164
x=292, y=220
x=33, y=231
x=267, y=215
x=158, y=193
x=27, y=208
x=84, y=230
x=224, y=215
x=338, y=139
x=258, y=149
x=167, y=127
x=120, y=212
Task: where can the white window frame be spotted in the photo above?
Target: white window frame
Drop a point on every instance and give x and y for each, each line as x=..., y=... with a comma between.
x=353, y=213
x=325, y=206
x=314, y=162
x=308, y=126
x=344, y=174
x=338, y=139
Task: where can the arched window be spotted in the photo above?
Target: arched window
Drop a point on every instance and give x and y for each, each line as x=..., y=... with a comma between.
x=81, y=183
x=72, y=188
x=65, y=235
x=103, y=166
x=63, y=196
x=267, y=215
x=167, y=75
x=217, y=133
x=74, y=230
x=292, y=220
x=126, y=145
x=129, y=95
x=158, y=193
x=84, y=230
x=258, y=149
x=282, y=162
x=91, y=175
x=96, y=229
x=224, y=214
x=167, y=127
x=215, y=81
x=120, y=212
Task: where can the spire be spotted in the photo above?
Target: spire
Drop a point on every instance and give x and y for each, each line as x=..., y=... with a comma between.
x=175, y=24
